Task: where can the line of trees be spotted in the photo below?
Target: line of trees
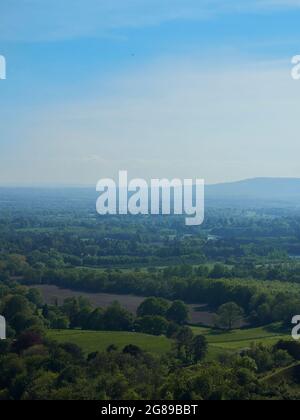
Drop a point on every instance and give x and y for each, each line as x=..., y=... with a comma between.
x=263, y=302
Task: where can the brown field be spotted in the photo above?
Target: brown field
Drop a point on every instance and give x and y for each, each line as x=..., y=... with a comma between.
x=51, y=294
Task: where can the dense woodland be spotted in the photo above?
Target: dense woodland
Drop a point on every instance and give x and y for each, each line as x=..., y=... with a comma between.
x=241, y=263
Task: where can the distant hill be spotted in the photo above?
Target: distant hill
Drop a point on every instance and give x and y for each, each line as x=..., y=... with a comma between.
x=256, y=192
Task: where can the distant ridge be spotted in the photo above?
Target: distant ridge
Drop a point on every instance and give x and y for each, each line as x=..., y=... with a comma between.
x=256, y=192
x=280, y=191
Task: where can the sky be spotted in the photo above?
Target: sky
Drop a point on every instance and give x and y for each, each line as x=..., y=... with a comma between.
x=160, y=88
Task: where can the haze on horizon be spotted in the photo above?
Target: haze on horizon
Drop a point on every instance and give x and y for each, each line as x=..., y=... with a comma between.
x=177, y=88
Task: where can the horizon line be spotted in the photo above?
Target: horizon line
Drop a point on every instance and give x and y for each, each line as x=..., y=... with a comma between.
x=89, y=186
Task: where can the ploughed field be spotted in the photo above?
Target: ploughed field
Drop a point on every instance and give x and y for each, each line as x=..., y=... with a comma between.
x=52, y=294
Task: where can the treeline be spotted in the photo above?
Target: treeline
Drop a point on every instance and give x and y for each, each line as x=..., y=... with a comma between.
x=35, y=368
x=154, y=316
x=74, y=236
x=32, y=367
x=24, y=309
x=262, y=301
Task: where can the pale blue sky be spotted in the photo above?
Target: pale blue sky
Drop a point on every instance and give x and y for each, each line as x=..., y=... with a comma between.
x=161, y=88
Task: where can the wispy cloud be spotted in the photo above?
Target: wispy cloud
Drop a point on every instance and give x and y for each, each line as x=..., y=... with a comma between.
x=185, y=105
x=35, y=20
x=168, y=120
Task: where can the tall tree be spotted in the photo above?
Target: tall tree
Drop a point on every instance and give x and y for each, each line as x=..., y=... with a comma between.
x=229, y=315
x=178, y=313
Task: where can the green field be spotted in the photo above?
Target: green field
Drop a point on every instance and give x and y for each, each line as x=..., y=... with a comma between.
x=219, y=342
x=241, y=339
x=92, y=341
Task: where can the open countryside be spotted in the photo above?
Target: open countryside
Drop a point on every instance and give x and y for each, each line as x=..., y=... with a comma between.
x=198, y=314
x=219, y=342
